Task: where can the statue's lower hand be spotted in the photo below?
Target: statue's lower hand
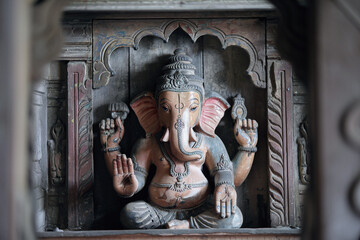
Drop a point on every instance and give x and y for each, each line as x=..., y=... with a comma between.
x=246, y=132
x=111, y=132
x=225, y=200
x=124, y=179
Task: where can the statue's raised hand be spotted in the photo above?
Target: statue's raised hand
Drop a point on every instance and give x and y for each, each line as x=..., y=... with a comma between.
x=246, y=133
x=124, y=180
x=111, y=132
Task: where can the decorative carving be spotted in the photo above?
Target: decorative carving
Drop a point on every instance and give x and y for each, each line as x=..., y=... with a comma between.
x=80, y=158
x=101, y=74
x=56, y=148
x=56, y=144
x=239, y=110
x=173, y=173
x=304, y=153
x=78, y=40
x=223, y=165
x=118, y=109
x=282, y=209
x=229, y=32
x=180, y=186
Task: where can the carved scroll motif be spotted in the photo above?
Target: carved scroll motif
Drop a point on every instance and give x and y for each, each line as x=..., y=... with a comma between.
x=228, y=31
x=304, y=153
x=282, y=209
x=80, y=157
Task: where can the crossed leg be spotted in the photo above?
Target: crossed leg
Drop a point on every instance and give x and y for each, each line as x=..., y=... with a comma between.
x=142, y=215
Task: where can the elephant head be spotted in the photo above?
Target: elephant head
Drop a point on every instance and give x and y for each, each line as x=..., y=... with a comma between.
x=180, y=109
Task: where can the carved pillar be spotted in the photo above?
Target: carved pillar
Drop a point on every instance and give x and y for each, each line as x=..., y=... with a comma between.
x=80, y=138
x=280, y=135
x=56, y=145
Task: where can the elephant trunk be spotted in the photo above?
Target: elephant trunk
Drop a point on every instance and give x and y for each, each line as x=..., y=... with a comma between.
x=179, y=138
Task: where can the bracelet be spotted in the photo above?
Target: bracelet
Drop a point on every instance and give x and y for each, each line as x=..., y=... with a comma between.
x=111, y=149
x=224, y=177
x=247, y=149
x=225, y=182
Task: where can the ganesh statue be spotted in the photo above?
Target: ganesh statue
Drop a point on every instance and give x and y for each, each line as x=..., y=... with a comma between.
x=180, y=121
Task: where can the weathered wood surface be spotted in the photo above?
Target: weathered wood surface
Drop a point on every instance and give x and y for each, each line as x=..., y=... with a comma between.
x=77, y=40
x=80, y=152
x=163, y=5
x=248, y=234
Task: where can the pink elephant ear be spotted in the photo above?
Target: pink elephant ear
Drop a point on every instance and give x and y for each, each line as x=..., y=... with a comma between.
x=144, y=107
x=212, y=112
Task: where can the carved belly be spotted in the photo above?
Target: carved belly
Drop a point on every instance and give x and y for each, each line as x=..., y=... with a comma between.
x=179, y=195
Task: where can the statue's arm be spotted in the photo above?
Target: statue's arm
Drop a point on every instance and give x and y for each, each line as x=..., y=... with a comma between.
x=242, y=165
x=111, y=134
x=246, y=135
x=141, y=159
x=129, y=174
x=218, y=162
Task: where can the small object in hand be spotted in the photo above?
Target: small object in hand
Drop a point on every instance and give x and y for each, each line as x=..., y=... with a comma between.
x=239, y=110
x=118, y=109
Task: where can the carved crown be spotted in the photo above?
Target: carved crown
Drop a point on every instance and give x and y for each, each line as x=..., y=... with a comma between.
x=179, y=75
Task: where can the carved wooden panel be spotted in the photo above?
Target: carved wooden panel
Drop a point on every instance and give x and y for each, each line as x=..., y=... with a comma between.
x=280, y=135
x=77, y=40
x=128, y=33
x=80, y=140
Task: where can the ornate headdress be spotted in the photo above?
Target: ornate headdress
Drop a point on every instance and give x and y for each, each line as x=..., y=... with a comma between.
x=180, y=76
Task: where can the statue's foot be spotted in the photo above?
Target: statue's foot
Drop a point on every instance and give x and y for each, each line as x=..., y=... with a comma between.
x=178, y=224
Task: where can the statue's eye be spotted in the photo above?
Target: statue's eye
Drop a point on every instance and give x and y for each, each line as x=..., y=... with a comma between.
x=165, y=108
x=193, y=108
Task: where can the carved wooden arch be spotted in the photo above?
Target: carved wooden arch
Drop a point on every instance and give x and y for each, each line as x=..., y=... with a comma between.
x=230, y=32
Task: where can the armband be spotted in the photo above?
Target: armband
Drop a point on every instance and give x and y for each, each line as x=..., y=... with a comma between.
x=114, y=149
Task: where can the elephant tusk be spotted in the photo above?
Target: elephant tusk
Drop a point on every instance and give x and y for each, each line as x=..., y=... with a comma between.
x=166, y=135
x=193, y=137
